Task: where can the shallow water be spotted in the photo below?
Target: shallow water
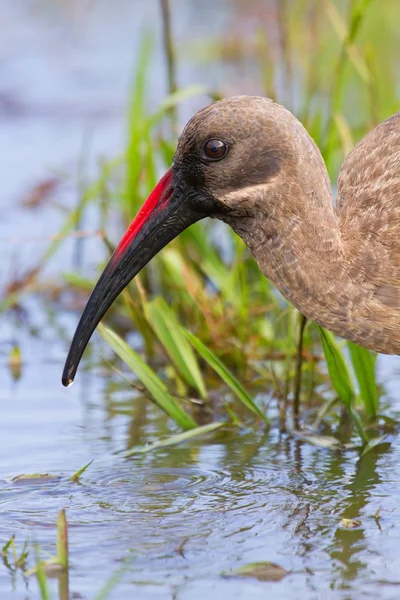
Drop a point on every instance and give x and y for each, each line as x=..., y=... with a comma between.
x=179, y=518
x=184, y=515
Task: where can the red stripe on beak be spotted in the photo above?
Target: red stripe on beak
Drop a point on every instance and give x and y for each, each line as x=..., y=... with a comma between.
x=163, y=216
x=159, y=197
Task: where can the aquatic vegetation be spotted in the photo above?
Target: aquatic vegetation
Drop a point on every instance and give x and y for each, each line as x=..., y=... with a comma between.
x=263, y=571
x=239, y=319
x=53, y=566
x=208, y=320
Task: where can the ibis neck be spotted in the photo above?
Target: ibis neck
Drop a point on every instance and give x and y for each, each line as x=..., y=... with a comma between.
x=301, y=259
x=306, y=259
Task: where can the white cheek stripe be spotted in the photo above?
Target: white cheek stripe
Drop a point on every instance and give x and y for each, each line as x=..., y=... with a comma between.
x=250, y=192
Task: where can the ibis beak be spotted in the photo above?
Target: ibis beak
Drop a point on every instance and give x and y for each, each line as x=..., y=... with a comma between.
x=163, y=216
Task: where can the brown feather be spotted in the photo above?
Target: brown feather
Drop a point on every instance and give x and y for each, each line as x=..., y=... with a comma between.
x=339, y=266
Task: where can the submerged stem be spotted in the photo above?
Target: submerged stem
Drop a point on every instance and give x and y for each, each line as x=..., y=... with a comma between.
x=169, y=55
x=299, y=362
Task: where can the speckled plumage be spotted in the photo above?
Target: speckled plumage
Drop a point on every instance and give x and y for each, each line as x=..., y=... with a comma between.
x=339, y=266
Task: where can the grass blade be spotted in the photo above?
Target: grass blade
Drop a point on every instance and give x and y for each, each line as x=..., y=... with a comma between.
x=373, y=444
x=340, y=377
x=224, y=373
x=137, y=122
x=209, y=262
x=7, y=545
x=347, y=35
x=178, y=438
x=149, y=379
x=337, y=368
x=175, y=343
x=111, y=583
x=41, y=576
x=174, y=99
x=75, y=477
x=364, y=367
x=62, y=540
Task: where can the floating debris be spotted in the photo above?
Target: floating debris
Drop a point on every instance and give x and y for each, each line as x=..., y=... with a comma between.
x=263, y=571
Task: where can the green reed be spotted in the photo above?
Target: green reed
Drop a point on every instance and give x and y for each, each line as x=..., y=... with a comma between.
x=209, y=320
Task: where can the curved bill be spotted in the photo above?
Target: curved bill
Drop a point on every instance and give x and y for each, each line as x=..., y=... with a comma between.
x=162, y=217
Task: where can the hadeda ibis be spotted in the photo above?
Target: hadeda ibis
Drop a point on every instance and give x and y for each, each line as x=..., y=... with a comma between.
x=249, y=162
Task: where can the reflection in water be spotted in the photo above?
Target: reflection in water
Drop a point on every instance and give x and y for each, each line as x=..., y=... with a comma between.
x=345, y=500
x=180, y=517
x=349, y=543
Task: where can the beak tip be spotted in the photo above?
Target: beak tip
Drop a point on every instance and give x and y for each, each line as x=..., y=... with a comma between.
x=67, y=381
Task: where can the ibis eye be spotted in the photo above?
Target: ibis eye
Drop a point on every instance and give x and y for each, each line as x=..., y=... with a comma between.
x=215, y=149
